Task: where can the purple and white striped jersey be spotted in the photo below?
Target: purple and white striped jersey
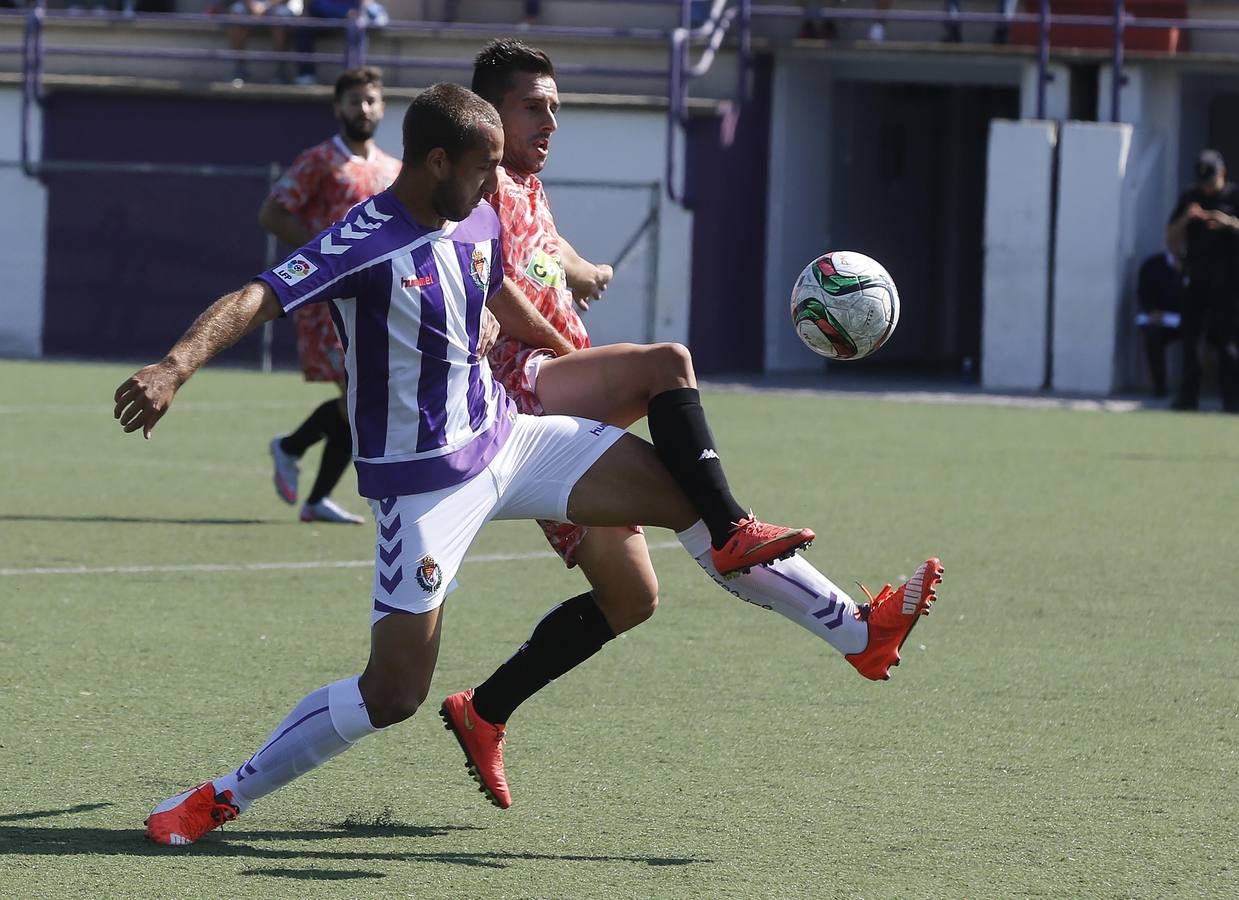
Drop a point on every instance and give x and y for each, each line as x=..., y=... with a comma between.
x=407, y=302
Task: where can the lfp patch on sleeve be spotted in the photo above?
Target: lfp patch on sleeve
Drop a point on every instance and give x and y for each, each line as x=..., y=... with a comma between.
x=296, y=269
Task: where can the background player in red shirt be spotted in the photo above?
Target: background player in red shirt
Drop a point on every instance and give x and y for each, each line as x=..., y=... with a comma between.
x=323, y=183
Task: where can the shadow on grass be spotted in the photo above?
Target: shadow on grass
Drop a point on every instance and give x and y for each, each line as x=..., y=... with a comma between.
x=69, y=841
x=142, y=520
x=48, y=813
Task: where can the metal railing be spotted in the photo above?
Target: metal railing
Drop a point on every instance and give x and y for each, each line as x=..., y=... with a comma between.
x=356, y=48
x=727, y=20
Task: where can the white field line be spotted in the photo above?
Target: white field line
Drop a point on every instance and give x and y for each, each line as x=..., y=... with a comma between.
x=274, y=566
x=946, y=398
x=144, y=462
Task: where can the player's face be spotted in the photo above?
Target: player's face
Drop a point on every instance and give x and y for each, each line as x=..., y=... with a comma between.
x=528, y=113
x=359, y=111
x=470, y=178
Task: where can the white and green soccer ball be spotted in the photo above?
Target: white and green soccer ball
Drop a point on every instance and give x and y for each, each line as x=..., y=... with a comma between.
x=844, y=305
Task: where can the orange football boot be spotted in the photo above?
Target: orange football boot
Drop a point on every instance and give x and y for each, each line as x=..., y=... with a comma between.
x=755, y=543
x=482, y=743
x=186, y=817
x=891, y=616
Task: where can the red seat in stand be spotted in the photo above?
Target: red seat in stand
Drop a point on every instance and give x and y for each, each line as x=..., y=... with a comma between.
x=1101, y=37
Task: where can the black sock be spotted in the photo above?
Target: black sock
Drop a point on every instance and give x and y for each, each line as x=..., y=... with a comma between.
x=337, y=454
x=685, y=445
x=313, y=429
x=567, y=636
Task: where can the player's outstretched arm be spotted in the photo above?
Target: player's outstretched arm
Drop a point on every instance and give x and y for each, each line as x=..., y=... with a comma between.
x=146, y=395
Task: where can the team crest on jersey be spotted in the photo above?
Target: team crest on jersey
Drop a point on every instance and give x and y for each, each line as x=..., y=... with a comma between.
x=429, y=575
x=479, y=268
x=296, y=269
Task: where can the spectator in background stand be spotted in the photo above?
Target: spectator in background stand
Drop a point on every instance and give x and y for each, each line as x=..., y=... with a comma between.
x=816, y=27
x=954, y=34
x=1204, y=223
x=1159, y=294
x=238, y=35
x=372, y=12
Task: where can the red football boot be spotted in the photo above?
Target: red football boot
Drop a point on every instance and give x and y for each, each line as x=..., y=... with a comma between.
x=755, y=543
x=891, y=616
x=482, y=743
x=186, y=817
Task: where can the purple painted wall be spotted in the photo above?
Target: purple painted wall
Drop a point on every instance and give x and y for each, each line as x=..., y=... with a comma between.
x=133, y=258
x=727, y=189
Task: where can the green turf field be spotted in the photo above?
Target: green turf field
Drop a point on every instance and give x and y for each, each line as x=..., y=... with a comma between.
x=1065, y=724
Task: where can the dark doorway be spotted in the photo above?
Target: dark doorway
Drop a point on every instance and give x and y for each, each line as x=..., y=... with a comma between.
x=1224, y=131
x=909, y=190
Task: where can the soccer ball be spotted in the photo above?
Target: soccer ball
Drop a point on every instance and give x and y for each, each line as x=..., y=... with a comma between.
x=844, y=305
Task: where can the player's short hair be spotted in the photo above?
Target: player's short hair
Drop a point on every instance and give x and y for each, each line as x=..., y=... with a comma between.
x=449, y=116
x=495, y=68
x=361, y=76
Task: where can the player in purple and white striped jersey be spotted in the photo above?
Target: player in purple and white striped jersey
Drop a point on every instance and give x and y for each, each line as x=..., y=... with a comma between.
x=407, y=301
x=439, y=449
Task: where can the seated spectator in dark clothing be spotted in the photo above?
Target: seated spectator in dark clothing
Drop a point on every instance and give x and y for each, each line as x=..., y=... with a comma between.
x=1159, y=294
x=954, y=33
x=274, y=11
x=373, y=12
x=816, y=27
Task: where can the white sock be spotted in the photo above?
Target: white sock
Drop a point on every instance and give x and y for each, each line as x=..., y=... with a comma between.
x=791, y=587
x=324, y=724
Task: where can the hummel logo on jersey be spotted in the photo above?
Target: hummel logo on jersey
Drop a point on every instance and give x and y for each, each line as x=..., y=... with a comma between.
x=707, y=453
x=411, y=281
x=328, y=247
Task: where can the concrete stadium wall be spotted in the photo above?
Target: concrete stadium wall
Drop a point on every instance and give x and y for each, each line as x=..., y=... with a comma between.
x=618, y=145
x=1014, y=332
x=23, y=236
x=1090, y=258
x=87, y=276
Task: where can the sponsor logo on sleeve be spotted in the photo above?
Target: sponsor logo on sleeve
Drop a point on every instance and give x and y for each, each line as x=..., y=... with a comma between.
x=545, y=269
x=296, y=269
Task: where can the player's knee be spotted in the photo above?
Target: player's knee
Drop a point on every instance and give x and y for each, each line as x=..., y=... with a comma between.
x=674, y=361
x=629, y=607
x=389, y=705
x=644, y=606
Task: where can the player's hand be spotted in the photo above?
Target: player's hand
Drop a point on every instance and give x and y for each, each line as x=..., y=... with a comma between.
x=594, y=288
x=1196, y=211
x=143, y=399
x=1215, y=218
x=488, y=332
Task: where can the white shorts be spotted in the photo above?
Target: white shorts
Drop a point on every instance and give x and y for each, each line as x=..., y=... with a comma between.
x=421, y=539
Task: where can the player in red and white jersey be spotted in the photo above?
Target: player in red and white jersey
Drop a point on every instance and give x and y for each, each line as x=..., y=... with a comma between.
x=544, y=360
x=320, y=187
